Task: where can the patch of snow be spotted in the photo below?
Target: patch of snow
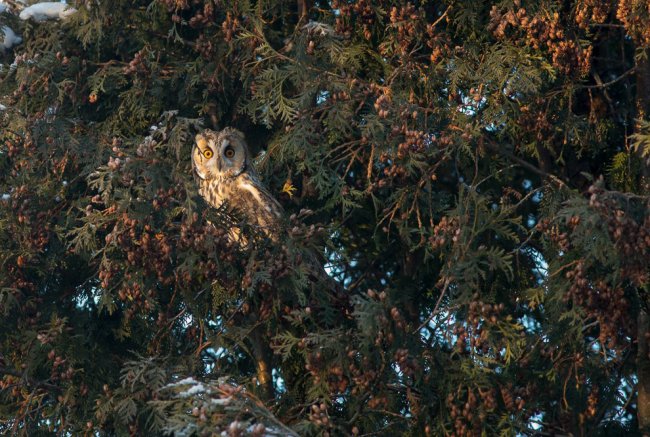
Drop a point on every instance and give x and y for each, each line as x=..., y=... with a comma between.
x=5, y=197
x=318, y=28
x=256, y=429
x=10, y=38
x=195, y=389
x=220, y=401
x=185, y=381
x=46, y=11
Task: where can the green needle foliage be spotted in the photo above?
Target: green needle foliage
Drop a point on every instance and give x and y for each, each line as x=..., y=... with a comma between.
x=472, y=175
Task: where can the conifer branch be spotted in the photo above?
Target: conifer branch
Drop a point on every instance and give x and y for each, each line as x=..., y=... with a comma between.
x=501, y=151
x=445, y=288
x=600, y=84
x=29, y=381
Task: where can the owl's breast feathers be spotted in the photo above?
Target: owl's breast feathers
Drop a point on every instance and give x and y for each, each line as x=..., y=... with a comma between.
x=246, y=195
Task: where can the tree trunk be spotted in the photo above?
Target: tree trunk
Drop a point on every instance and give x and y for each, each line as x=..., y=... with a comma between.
x=643, y=373
x=643, y=320
x=262, y=354
x=303, y=10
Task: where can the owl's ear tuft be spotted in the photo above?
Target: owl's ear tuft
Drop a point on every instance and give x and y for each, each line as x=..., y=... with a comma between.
x=239, y=134
x=232, y=132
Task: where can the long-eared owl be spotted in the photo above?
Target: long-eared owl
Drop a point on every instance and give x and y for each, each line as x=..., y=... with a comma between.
x=226, y=174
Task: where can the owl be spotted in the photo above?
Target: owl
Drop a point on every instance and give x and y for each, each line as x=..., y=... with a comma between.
x=227, y=178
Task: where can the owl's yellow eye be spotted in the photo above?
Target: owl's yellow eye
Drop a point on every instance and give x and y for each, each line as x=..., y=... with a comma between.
x=229, y=152
x=207, y=153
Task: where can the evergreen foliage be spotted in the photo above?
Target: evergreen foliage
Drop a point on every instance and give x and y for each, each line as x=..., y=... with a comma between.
x=474, y=175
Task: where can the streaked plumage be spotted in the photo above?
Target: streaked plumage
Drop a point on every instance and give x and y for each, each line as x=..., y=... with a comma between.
x=222, y=162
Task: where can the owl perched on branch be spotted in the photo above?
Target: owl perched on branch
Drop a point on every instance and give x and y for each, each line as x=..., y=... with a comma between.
x=227, y=178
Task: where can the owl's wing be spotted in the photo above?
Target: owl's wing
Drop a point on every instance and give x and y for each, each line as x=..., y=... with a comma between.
x=258, y=205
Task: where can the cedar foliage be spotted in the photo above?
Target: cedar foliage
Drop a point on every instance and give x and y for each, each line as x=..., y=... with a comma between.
x=474, y=174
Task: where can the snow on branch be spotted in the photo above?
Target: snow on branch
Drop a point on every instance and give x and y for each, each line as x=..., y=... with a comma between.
x=46, y=11
x=9, y=37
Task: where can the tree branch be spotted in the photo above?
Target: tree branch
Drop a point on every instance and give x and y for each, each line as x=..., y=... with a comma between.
x=303, y=10
x=601, y=84
x=27, y=380
x=527, y=165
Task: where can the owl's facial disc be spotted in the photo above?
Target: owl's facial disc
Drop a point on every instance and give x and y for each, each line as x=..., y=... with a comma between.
x=233, y=156
x=202, y=155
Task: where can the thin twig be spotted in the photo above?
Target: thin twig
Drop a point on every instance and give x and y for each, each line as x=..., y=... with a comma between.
x=611, y=82
x=616, y=26
x=528, y=165
x=435, y=308
x=442, y=17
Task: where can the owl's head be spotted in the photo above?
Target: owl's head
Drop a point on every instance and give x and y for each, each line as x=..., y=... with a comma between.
x=220, y=154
